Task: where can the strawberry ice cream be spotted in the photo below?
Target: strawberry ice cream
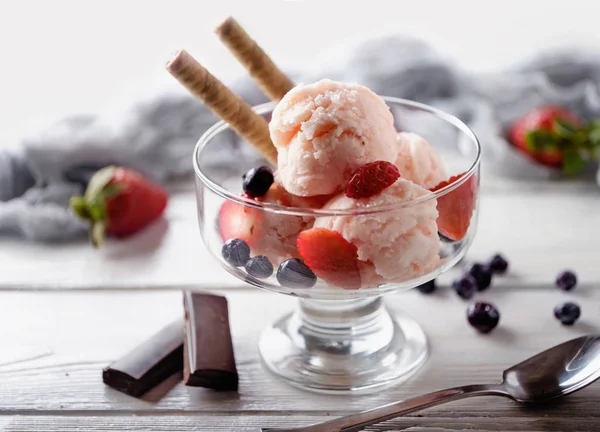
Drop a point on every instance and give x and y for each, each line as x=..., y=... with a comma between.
x=396, y=245
x=275, y=236
x=268, y=233
x=326, y=130
x=338, y=149
x=418, y=161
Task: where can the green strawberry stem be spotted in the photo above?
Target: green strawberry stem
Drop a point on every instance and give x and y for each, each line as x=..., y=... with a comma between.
x=578, y=145
x=91, y=207
x=97, y=233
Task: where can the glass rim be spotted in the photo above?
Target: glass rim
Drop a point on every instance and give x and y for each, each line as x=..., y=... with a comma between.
x=221, y=126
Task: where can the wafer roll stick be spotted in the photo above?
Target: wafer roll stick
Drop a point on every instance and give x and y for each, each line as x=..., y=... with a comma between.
x=223, y=103
x=269, y=77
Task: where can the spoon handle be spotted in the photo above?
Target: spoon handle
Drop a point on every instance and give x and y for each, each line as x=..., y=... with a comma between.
x=355, y=422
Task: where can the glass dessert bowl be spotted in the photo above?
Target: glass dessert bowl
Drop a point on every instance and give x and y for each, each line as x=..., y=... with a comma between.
x=340, y=255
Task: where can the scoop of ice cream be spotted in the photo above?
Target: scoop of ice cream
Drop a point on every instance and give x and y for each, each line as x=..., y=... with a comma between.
x=418, y=161
x=395, y=245
x=276, y=233
x=289, y=199
x=325, y=131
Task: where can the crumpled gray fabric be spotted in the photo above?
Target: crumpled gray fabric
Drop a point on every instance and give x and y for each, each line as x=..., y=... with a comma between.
x=156, y=136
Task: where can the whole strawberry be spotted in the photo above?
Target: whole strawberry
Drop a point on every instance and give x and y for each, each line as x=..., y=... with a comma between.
x=555, y=137
x=120, y=202
x=371, y=178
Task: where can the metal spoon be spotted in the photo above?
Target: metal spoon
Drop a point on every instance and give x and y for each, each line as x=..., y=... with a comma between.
x=556, y=372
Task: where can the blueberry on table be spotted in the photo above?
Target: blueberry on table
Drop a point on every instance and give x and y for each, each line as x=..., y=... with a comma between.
x=498, y=265
x=482, y=276
x=293, y=273
x=566, y=281
x=427, y=287
x=465, y=287
x=567, y=313
x=236, y=252
x=257, y=181
x=483, y=316
x=259, y=266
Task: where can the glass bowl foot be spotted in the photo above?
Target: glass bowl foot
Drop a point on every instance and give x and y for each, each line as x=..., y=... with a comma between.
x=342, y=347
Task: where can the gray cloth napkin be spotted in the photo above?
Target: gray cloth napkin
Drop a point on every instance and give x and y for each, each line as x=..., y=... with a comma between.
x=156, y=136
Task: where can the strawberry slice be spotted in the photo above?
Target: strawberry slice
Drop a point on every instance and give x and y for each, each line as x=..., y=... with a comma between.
x=330, y=256
x=370, y=179
x=456, y=207
x=238, y=221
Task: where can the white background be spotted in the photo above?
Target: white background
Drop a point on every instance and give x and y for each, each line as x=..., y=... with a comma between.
x=66, y=56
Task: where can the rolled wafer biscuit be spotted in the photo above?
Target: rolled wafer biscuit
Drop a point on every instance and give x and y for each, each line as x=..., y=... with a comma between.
x=223, y=103
x=269, y=77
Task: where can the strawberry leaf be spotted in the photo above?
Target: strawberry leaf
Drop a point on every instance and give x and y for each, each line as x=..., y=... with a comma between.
x=594, y=137
x=564, y=129
x=540, y=140
x=594, y=124
x=593, y=134
x=79, y=206
x=96, y=210
x=573, y=163
x=112, y=190
x=98, y=182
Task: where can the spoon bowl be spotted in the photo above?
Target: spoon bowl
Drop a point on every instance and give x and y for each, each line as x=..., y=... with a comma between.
x=556, y=372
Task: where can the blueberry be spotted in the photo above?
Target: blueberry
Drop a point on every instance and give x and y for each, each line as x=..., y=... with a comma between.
x=427, y=287
x=465, y=287
x=293, y=273
x=498, y=264
x=483, y=316
x=482, y=276
x=257, y=181
x=259, y=266
x=567, y=313
x=566, y=281
x=236, y=252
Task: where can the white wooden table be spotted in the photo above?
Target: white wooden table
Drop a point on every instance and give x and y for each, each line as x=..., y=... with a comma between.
x=66, y=312
x=78, y=309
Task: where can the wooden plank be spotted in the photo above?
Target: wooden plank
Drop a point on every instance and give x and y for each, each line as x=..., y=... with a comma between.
x=168, y=253
x=245, y=423
x=540, y=233
x=61, y=341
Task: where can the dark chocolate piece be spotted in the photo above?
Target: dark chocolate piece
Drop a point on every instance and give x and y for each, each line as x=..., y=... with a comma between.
x=208, y=359
x=148, y=364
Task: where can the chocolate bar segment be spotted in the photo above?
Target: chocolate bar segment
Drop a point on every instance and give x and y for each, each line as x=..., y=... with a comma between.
x=208, y=358
x=148, y=364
